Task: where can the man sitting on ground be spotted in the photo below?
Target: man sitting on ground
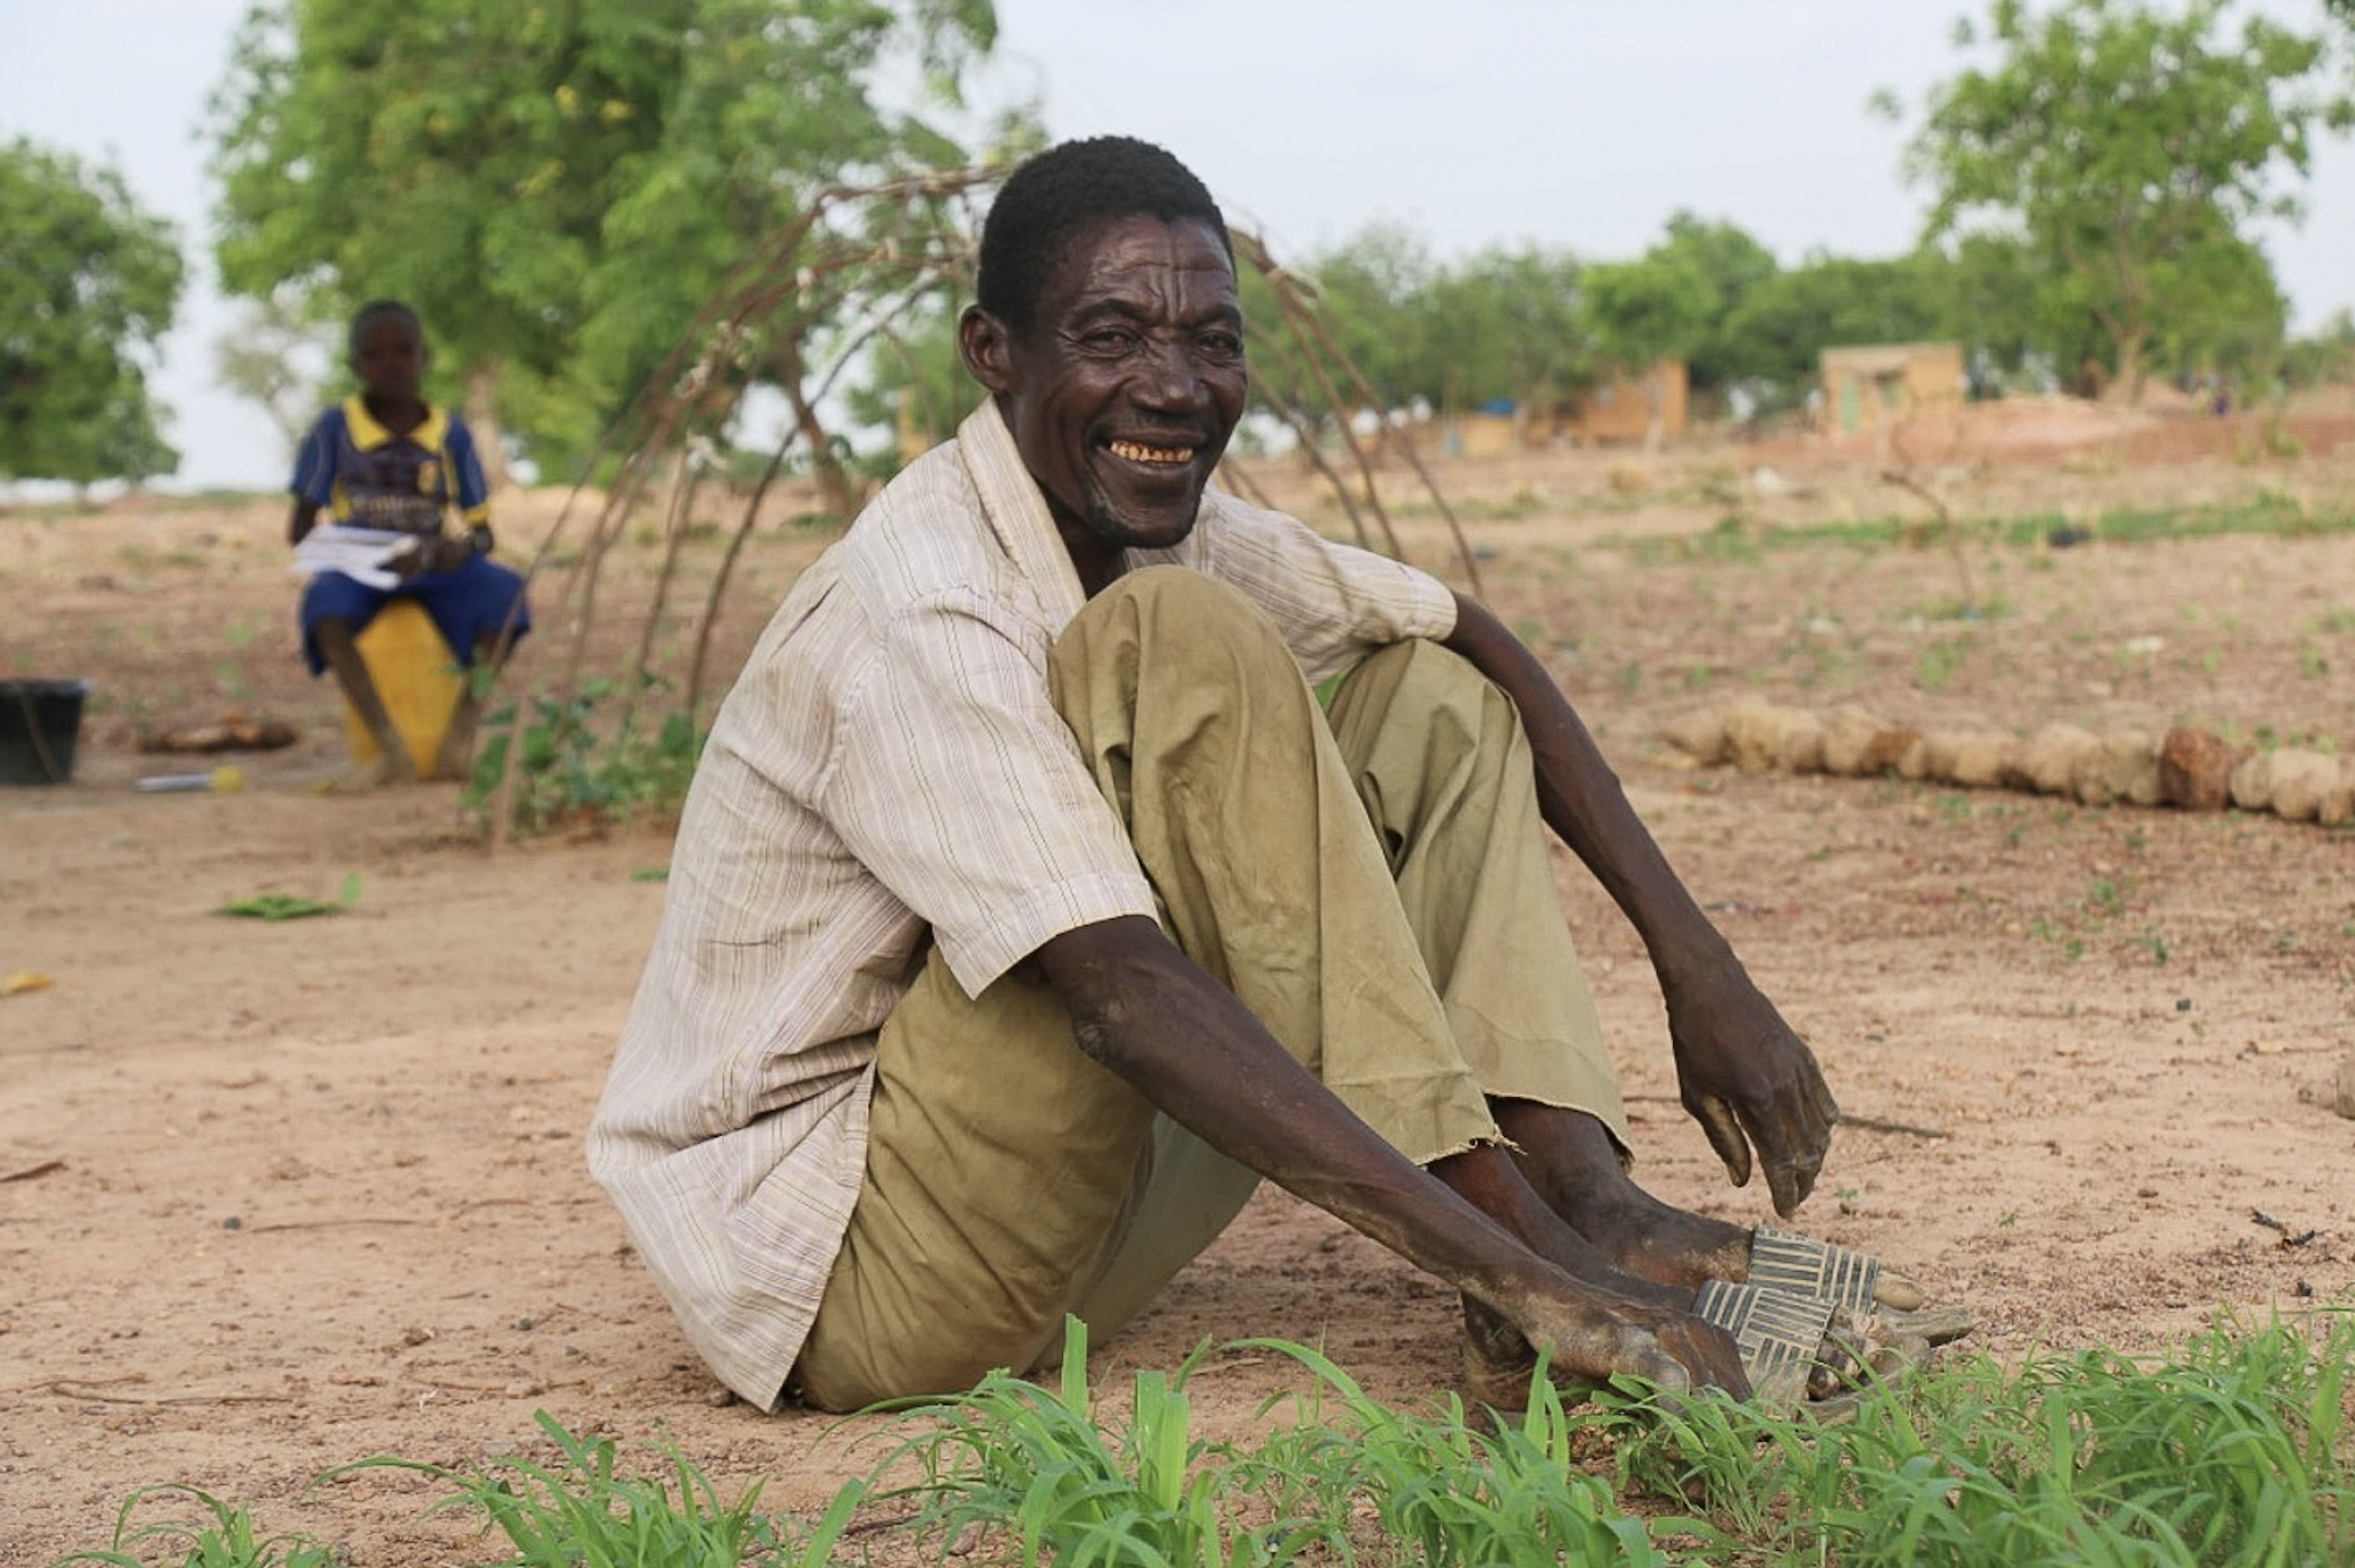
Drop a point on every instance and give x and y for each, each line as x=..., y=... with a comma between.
x=1026, y=910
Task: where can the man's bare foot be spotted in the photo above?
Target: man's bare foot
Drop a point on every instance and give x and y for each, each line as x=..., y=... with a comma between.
x=1571, y=1161
x=1495, y=1181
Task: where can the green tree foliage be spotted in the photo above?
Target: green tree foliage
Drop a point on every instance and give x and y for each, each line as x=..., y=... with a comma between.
x=1503, y=325
x=1531, y=325
x=1655, y=308
x=915, y=373
x=2325, y=358
x=1776, y=335
x=1508, y=324
x=274, y=356
x=775, y=103
x=2122, y=149
x=1732, y=265
x=1374, y=292
x=2244, y=319
x=559, y=187
x=87, y=283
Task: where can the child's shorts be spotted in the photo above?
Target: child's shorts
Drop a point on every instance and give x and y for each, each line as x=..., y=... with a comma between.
x=470, y=605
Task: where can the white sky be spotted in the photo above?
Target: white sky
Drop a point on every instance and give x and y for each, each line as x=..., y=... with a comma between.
x=1579, y=123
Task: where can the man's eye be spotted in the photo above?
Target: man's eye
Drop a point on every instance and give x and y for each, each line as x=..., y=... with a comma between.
x=1108, y=337
x=1220, y=344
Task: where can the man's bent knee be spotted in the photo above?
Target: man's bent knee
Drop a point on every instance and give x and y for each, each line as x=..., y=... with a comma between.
x=1423, y=673
x=1174, y=606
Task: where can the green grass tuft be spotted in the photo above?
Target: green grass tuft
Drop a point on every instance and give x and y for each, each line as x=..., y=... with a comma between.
x=2236, y=1451
x=226, y=1536
x=584, y=1511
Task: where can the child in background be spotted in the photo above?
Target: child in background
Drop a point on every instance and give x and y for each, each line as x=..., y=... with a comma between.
x=386, y=459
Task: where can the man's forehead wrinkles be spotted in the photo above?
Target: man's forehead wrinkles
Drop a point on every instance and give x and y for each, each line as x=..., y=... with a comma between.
x=1145, y=290
x=1149, y=303
x=1110, y=276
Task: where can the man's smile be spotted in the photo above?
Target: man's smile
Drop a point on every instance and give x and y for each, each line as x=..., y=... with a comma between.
x=1153, y=457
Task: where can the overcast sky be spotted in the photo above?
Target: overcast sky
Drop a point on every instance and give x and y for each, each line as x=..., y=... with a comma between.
x=1579, y=123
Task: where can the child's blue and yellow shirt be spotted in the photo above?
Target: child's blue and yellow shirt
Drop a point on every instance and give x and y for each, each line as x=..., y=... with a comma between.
x=364, y=475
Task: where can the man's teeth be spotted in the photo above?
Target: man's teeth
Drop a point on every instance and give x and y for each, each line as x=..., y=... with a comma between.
x=1137, y=452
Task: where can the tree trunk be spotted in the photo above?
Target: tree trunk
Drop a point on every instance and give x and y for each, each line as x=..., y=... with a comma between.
x=834, y=486
x=483, y=418
x=2130, y=369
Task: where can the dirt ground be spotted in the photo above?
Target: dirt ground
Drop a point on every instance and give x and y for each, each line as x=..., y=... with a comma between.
x=276, y=1197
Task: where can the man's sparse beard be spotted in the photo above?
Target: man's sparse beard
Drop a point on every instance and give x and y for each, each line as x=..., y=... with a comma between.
x=1105, y=524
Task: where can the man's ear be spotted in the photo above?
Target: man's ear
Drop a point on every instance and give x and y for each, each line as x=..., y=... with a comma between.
x=987, y=347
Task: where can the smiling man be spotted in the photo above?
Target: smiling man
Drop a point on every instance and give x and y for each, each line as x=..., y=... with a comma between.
x=1027, y=910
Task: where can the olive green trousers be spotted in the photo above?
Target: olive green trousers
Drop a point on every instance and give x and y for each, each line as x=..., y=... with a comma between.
x=1374, y=886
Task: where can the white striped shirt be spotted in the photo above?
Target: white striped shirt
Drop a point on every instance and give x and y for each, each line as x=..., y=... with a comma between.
x=889, y=765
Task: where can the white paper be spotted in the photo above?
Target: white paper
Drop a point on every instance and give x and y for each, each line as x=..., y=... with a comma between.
x=364, y=555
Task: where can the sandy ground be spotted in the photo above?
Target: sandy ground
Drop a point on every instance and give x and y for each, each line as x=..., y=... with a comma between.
x=276, y=1197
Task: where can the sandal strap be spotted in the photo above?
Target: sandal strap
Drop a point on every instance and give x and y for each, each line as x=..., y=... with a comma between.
x=1803, y=1265
x=1778, y=1334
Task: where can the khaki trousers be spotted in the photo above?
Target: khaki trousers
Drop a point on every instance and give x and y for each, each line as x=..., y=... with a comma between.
x=1374, y=889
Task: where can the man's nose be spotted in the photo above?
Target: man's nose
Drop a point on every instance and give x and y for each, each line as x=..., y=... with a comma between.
x=1169, y=378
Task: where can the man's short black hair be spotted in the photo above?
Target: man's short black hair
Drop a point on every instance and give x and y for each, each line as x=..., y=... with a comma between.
x=1069, y=187
x=375, y=310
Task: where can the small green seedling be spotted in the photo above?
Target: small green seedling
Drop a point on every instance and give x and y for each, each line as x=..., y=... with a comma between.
x=228, y=1539
x=293, y=907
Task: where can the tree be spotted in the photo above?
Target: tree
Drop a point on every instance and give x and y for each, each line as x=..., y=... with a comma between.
x=915, y=378
x=2123, y=149
x=1783, y=324
x=1654, y=307
x=1506, y=326
x=87, y=283
x=2237, y=330
x=558, y=188
x=1734, y=266
x=1374, y=292
x=2328, y=357
x=275, y=357
x=1501, y=327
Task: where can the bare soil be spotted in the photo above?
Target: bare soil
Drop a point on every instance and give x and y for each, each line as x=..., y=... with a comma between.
x=277, y=1196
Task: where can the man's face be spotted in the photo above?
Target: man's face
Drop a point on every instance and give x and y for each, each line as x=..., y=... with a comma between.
x=388, y=355
x=1122, y=392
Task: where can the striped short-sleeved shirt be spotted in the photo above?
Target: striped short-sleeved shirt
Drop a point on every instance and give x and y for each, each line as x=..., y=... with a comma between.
x=890, y=765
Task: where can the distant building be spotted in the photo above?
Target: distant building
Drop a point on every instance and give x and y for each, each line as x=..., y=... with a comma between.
x=1649, y=405
x=1875, y=386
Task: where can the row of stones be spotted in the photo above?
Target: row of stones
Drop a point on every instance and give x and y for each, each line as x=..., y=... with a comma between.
x=2187, y=767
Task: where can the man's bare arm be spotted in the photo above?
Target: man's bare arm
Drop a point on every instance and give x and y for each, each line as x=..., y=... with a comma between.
x=1744, y=1075
x=1146, y=1011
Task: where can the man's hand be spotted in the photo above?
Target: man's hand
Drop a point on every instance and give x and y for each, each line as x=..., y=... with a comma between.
x=1745, y=1077
x=1595, y=1334
x=1146, y=1011
x=1750, y=1081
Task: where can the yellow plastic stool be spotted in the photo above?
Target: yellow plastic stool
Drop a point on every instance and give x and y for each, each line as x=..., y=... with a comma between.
x=417, y=678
